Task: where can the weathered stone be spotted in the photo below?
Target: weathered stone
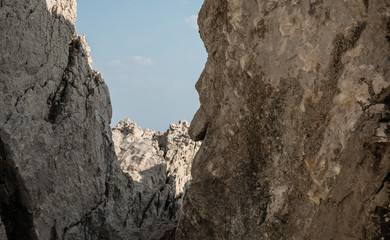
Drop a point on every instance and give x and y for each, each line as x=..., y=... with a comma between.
x=160, y=164
x=294, y=115
x=3, y=234
x=59, y=178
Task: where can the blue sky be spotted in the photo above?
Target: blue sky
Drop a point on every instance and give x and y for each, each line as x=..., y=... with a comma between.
x=150, y=55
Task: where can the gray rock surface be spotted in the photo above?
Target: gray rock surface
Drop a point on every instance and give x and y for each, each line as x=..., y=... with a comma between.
x=59, y=178
x=160, y=165
x=294, y=116
x=3, y=234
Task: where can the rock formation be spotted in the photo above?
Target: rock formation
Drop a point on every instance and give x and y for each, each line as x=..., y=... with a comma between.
x=3, y=234
x=160, y=165
x=58, y=175
x=294, y=119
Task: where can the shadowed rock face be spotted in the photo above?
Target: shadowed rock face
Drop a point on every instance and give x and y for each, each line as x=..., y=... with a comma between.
x=58, y=175
x=294, y=119
x=160, y=165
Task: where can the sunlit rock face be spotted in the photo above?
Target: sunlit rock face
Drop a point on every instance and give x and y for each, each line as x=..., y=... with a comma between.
x=58, y=173
x=294, y=119
x=160, y=165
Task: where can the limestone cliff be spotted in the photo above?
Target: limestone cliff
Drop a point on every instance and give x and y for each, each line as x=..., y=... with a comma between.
x=294, y=116
x=58, y=175
x=160, y=165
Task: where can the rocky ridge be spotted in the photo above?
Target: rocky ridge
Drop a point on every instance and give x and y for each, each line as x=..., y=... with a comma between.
x=294, y=120
x=160, y=165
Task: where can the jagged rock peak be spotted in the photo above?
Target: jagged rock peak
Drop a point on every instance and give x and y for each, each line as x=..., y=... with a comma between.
x=63, y=8
x=173, y=148
x=160, y=165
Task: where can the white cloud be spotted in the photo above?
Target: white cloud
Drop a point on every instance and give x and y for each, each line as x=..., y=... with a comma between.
x=192, y=21
x=143, y=60
x=115, y=63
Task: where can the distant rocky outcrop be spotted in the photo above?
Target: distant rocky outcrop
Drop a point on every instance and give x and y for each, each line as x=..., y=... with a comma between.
x=294, y=118
x=160, y=166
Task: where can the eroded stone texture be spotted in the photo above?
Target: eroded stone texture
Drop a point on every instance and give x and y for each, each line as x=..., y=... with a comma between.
x=294, y=116
x=58, y=175
x=160, y=165
x=3, y=234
